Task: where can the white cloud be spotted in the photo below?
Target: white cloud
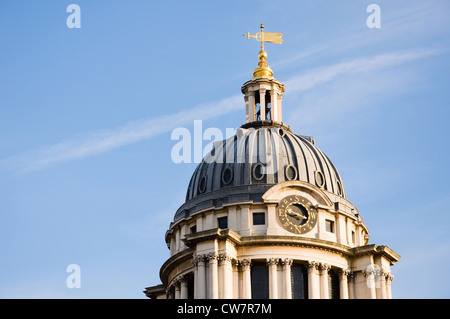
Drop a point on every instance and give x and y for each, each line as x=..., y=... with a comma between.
x=322, y=75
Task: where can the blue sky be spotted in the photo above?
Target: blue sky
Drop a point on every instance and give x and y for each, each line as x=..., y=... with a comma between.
x=86, y=115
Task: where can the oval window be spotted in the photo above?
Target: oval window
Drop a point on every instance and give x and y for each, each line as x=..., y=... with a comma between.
x=290, y=173
x=202, y=184
x=320, y=180
x=258, y=171
x=227, y=176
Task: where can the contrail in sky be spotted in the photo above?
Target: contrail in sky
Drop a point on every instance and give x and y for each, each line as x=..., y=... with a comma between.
x=94, y=143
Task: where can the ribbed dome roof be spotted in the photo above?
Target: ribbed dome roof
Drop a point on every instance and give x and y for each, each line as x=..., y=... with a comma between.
x=264, y=153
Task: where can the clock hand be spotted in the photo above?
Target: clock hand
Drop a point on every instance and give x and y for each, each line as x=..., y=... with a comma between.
x=294, y=214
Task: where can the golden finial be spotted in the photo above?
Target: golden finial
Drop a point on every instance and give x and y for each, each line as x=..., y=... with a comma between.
x=263, y=70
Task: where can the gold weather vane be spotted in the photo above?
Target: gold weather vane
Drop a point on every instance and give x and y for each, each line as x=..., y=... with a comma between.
x=263, y=70
x=272, y=37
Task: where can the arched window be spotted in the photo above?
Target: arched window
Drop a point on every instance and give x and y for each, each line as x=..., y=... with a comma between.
x=299, y=281
x=333, y=285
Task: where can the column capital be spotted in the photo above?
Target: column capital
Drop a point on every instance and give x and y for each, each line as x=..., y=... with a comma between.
x=286, y=261
x=313, y=265
x=245, y=263
x=224, y=258
x=272, y=261
x=250, y=93
x=384, y=274
x=211, y=257
x=183, y=280
x=368, y=272
x=179, y=280
x=197, y=259
x=344, y=272
x=324, y=267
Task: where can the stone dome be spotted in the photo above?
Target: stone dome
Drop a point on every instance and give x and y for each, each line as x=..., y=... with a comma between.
x=260, y=155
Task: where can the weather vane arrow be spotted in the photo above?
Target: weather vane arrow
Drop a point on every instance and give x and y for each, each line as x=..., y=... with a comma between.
x=271, y=37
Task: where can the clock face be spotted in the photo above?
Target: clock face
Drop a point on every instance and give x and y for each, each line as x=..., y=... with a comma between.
x=296, y=214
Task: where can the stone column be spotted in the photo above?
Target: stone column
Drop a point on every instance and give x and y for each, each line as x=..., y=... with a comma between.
x=351, y=285
x=183, y=288
x=251, y=106
x=343, y=283
x=273, y=278
x=324, y=294
x=370, y=281
x=247, y=109
x=274, y=115
x=236, y=280
x=177, y=288
x=246, y=278
x=313, y=280
x=262, y=104
x=388, y=286
x=279, y=99
x=227, y=276
x=200, y=281
x=287, y=286
x=195, y=264
x=213, y=292
x=383, y=277
x=170, y=294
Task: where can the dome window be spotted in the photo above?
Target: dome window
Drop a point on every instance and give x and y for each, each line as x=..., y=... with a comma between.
x=290, y=172
x=202, y=185
x=320, y=180
x=227, y=176
x=258, y=171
